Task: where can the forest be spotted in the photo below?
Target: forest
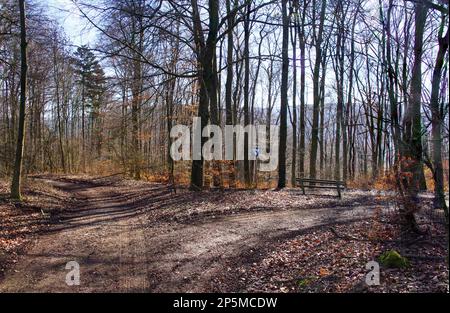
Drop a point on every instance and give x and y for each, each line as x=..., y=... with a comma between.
x=349, y=95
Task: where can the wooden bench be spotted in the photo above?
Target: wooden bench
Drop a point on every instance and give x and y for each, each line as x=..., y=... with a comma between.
x=321, y=184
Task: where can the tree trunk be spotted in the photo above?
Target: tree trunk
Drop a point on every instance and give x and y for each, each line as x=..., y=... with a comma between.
x=229, y=85
x=247, y=177
x=302, y=40
x=284, y=99
x=340, y=88
x=17, y=175
x=316, y=91
x=294, y=104
x=395, y=127
x=348, y=140
x=322, y=150
x=58, y=105
x=206, y=54
x=436, y=122
x=412, y=137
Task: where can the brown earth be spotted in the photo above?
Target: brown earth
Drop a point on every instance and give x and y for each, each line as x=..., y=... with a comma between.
x=142, y=237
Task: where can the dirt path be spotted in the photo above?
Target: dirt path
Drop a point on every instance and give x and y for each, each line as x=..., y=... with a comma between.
x=122, y=247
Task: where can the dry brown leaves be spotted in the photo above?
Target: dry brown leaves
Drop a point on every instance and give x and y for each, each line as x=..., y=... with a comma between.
x=318, y=261
x=20, y=222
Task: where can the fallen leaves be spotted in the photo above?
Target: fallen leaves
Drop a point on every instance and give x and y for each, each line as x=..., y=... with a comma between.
x=324, y=272
x=311, y=261
x=317, y=261
x=20, y=222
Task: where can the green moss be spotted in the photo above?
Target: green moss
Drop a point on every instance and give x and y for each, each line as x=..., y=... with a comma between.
x=393, y=259
x=302, y=283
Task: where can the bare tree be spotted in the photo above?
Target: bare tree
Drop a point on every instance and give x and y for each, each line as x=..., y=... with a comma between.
x=316, y=77
x=437, y=120
x=16, y=180
x=284, y=98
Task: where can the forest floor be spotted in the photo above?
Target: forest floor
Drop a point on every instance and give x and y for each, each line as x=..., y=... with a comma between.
x=132, y=236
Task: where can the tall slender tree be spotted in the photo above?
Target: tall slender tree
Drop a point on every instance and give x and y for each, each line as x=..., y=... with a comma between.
x=437, y=119
x=17, y=175
x=412, y=124
x=316, y=88
x=284, y=98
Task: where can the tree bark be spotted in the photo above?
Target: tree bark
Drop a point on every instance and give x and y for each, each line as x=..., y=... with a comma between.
x=412, y=137
x=436, y=121
x=294, y=102
x=206, y=54
x=284, y=98
x=247, y=176
x=229, y=85
x=316, y=91
x=17, y=175
x=302, y=141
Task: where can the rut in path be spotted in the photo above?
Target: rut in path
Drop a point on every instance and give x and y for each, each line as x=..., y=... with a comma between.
x=119, y=249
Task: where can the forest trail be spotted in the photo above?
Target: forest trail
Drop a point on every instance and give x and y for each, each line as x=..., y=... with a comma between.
x=121, y=248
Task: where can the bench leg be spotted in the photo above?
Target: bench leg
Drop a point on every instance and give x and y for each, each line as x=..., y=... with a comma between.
x=339, y=192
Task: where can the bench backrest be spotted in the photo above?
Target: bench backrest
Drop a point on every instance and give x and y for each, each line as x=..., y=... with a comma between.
x=321, y=181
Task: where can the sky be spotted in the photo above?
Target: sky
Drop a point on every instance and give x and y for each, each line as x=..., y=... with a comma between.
x=76, y=28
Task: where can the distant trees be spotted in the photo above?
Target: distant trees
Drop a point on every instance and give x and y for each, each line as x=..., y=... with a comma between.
x=91, y=79
x=354, y=86
x=58, y=106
